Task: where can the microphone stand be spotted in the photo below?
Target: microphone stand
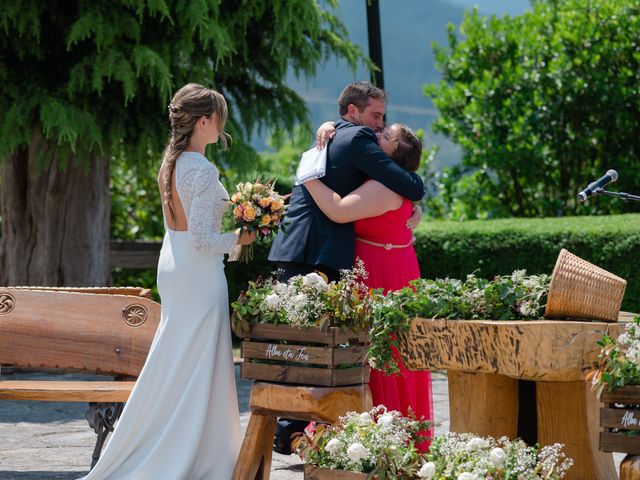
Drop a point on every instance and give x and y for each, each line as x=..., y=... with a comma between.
x=624, y=196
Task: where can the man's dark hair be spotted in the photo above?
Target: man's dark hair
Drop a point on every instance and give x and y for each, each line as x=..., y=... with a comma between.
x=359, y=93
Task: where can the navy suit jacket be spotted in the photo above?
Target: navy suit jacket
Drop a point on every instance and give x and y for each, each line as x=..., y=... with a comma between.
x=353, y=155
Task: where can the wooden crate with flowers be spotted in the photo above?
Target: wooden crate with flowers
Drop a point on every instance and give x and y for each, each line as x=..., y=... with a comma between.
x=305, y=331
x=618, y=383
x=382, y=444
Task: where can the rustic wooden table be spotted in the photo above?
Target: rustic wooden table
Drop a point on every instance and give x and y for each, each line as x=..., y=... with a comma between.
x=486, y=360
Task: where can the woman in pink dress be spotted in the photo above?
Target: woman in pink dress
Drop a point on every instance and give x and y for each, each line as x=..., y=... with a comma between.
x=385, y=245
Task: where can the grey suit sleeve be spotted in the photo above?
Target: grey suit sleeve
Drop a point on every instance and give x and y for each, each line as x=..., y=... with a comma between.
x=369, y=158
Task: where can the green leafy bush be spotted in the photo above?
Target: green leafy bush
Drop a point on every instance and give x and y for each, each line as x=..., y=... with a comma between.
x=498, y=247
x=541, y=104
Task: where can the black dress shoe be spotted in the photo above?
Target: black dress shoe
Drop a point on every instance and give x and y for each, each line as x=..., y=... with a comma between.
x=281, y=447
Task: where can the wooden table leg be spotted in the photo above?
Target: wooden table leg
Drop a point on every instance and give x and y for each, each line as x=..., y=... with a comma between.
x=568, y=414
x=483, y=403
x=630, y=468
x=254, y=461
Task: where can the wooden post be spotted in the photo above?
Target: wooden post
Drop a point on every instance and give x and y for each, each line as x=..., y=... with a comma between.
x=254, y=461
x=483, y=404
x=630, y=468
x=565, y=410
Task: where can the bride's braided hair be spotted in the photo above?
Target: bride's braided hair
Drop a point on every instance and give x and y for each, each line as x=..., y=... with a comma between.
x=189, y=104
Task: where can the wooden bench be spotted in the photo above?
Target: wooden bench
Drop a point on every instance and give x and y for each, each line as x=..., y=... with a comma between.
x=271, y=400
x=98, y=331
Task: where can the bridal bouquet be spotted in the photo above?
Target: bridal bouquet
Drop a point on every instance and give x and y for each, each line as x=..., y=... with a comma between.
x=378, y=442
x=257, y=207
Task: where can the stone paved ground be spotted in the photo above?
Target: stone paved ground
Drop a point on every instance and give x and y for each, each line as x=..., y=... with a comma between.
x=52, y=441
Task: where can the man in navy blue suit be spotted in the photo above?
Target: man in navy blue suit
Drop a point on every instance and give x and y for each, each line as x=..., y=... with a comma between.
x=312, y=242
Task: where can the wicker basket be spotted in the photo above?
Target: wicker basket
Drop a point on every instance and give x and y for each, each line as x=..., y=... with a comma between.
x=582, y=290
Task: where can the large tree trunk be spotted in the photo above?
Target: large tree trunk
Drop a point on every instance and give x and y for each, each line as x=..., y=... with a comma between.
x=55, y=218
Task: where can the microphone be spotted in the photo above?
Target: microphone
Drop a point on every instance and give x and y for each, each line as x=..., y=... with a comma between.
x=610, y=176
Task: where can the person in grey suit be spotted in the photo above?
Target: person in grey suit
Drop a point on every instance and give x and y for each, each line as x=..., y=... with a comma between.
x=310, y=241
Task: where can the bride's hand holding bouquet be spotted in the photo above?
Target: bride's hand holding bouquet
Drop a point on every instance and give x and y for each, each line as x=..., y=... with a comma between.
x=258, y=208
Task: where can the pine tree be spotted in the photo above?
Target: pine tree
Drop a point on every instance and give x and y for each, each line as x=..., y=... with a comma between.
x=82, y=80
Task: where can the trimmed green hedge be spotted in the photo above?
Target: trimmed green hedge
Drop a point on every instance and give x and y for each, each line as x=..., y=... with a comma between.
x=497, y=247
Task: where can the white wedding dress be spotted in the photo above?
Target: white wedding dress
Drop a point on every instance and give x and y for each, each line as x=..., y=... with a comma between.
x=181, y=421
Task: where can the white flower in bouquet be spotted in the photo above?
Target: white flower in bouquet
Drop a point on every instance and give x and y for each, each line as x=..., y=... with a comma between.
x=314, y=280
x=279, y=288
x=332, y=446
x=365, y=419
x=497, y=456
x=476, y=443
x=467, y=476
x=428, y=470
x=272, y=301
x=357, y=452
x=385, y=419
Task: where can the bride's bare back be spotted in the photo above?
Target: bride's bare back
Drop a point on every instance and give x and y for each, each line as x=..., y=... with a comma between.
x=177, y=222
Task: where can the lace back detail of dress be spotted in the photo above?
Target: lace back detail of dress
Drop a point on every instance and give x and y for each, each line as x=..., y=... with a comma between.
x=205, y=201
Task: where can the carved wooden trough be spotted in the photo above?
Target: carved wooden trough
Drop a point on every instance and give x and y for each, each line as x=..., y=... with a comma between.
x=487, y=362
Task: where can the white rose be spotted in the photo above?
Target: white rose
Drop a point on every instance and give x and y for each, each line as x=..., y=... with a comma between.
x=476, y=443
x=332, y=446
x=357, y=452
x=365, y=419
x=385, y=419
x=311, y=279
x=272, y=300
x=428, y=470
x=497, y=456
x=467, y=476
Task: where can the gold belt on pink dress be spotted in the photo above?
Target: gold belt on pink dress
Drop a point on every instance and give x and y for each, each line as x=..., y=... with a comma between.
x=386, y=246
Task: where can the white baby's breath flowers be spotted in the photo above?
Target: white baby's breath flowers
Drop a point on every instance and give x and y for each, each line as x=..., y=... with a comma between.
x=357, y=452
x=427, y=471
x=497, y=456
x=332, y=446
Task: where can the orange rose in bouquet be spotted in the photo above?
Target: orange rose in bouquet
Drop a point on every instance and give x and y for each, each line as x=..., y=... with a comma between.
x=257, y=207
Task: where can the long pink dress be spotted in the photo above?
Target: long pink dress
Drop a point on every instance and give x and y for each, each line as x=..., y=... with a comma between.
x=393, y=269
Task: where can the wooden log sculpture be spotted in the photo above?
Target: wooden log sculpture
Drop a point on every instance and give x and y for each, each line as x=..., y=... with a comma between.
x=270, y=400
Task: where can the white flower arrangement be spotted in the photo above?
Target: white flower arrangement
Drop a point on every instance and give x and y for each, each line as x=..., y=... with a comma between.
x=383, y=443
x=375, y=441
x=305, y=301
x=463, y=456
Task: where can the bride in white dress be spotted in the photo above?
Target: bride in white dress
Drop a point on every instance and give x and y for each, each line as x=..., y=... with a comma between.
x=181, y=421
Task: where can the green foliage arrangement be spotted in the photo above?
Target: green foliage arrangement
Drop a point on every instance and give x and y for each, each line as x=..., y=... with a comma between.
x=309, y=301
x=514, y=297
x=619, y=359
x=498, y=247
x=541, y=104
